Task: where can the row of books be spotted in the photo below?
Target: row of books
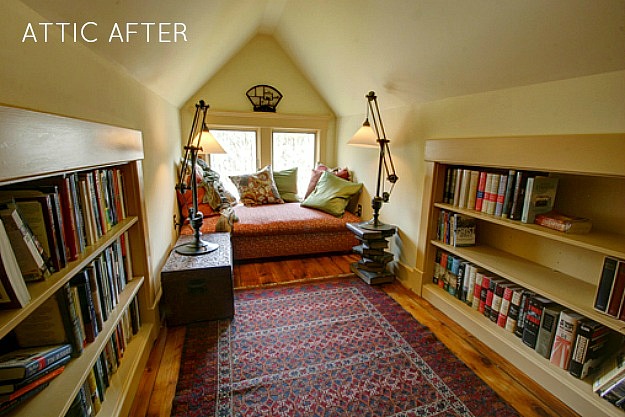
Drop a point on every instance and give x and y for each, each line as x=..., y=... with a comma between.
x=456, y=229
x=50, y=222
x=610, y=383
x=93, y=391
x=26, y=372
x=82, y=305
x=610, y=296
x=512, y=194
x=567, y=339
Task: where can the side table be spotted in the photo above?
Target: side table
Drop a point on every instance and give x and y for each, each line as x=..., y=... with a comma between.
x=198, y=288
x=371, y=267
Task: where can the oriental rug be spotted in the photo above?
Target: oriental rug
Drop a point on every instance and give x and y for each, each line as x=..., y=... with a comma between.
x=325, y=349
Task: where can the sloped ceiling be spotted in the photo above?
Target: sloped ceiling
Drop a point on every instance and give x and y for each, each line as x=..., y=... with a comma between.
x=409, y=51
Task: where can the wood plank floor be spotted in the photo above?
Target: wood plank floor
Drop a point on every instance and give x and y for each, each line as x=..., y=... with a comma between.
x=158, y=383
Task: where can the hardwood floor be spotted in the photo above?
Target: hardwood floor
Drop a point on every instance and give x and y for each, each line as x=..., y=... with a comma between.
x=158, y=384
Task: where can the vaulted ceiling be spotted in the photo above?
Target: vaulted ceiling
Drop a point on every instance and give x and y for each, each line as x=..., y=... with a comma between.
x=410, y=51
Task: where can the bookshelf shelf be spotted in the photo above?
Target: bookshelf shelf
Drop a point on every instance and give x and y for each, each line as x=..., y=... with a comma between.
x=70, y=147
x=565, y=268
x=52, y=400
x=511, y=348
x=561, y=288
x=41, y=291
x=611, y=244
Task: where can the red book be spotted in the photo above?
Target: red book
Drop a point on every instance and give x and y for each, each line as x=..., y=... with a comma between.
x=481, y=186
x=616, y=297
x=483, y=293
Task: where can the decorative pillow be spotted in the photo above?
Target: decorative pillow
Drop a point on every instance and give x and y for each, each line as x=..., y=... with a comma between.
x=321, y=168
x=186, y=201
x=286, y=183
x=332, y=194
x=258, y=188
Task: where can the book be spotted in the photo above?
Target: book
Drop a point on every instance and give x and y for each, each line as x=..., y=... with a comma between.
x=547, y=330
x=540, y=195
x=10, y=405
x=464, y=188
x=513, y=311
x=481, y=188
x=606, y=281
x=507, y=202
x=71, y=322
x=563, y=223
x=473, y=182
x=564, y=339
x=518, y=196
x=531, y=324
x=589, y=348
x=24, y=244
x=43, y=378
x=85, y=304
x=22, y=363
x=13, y=290
x=38, y=221
x=501, y=195
x=506, y=300
x=618, y=288
x=611, y=370
x=463, y=230
x=12, y=386
x=523, y=309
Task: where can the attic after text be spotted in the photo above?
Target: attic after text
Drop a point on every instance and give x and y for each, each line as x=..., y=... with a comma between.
x=128, y=32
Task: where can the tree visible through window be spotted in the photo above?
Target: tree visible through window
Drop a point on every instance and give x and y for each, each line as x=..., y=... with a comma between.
x=294, y=149
x=240, y=156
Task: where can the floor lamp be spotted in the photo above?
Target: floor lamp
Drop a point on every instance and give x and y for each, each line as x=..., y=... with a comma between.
x=375, y=137
x=201, y=141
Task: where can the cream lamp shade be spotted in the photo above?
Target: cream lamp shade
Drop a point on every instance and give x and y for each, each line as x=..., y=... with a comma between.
x=365, y=137
x=207, y=143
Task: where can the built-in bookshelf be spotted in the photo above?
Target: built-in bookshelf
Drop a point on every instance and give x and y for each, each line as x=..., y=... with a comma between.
x=563, y=267
x=37, y=148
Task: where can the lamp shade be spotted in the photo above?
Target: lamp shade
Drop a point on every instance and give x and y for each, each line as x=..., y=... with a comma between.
x=365, y=137
x=207, y=143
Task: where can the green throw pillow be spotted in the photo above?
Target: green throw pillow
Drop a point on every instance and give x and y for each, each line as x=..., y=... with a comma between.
x=286, y=182
x=332, y=194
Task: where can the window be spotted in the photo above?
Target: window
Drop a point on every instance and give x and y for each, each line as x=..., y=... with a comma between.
x=253, y=141
x=294, y=149
x=240, y=156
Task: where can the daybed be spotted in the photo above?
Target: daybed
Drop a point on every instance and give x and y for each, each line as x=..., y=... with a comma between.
x=263, y=225
x=288, y=229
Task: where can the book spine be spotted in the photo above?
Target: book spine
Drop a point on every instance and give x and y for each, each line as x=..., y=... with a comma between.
x=507, y=202
x=604, y=289
x=481, y=189
x=565, y=336
x=618, y=288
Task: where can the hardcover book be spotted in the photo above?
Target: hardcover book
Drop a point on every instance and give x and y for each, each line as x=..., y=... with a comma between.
x=547, y=330
x=13, y=290
x=540, y=195
x=464, y=230
x=606, y=281
x=532, y=320
x=590, y=346
x=565, y=336
x=22, y=363
x=563, y=223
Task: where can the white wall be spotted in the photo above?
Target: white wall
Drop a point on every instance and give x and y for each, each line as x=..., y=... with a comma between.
x=593, y=104
x=70, y=80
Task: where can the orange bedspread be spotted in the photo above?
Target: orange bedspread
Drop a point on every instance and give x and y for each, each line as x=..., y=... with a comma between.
x=289, y=229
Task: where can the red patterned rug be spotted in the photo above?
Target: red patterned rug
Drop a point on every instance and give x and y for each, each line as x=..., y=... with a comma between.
x=325, y=349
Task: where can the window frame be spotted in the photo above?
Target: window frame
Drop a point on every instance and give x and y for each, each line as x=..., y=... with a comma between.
x=266, y=123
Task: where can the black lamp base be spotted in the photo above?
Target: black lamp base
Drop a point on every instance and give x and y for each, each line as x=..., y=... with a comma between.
x=195, y=248
x=373, y=225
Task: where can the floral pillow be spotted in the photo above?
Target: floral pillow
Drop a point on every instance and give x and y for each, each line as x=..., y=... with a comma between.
x=257, y=188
